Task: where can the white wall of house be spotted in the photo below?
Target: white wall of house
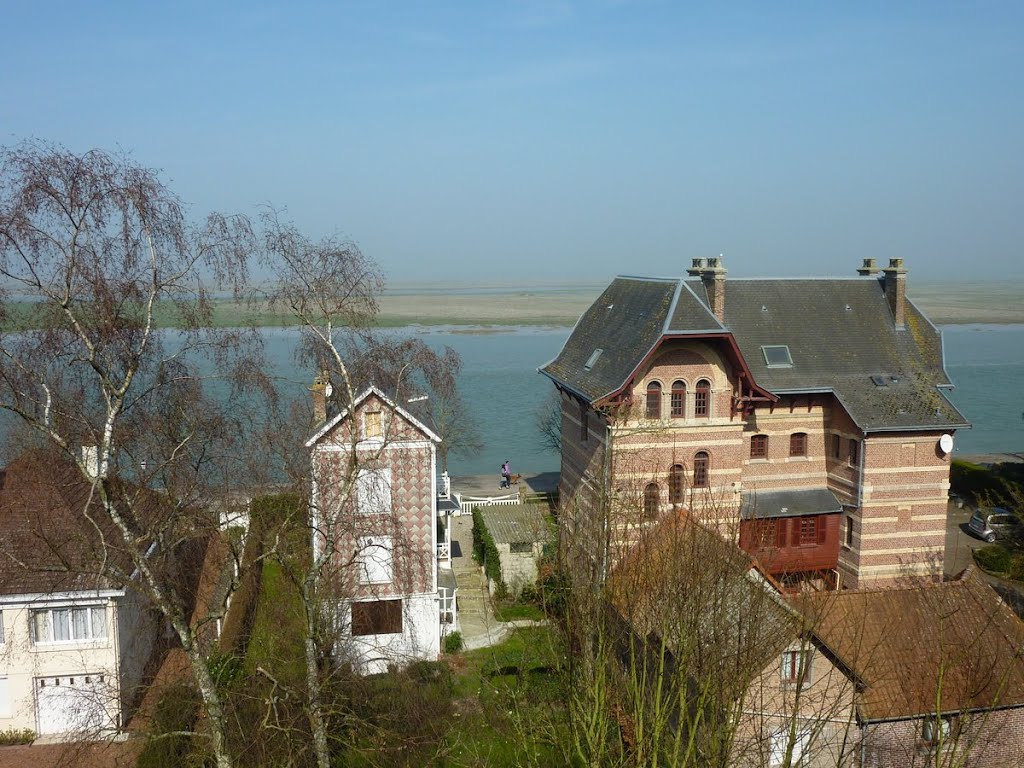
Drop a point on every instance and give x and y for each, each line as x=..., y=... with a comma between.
x=70, y=661
x=419, y=639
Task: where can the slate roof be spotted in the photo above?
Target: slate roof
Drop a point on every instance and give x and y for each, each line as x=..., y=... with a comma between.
x=902, y=641
x=788, y=503
x=840, y=333
x=46, y=543
x=517, y=523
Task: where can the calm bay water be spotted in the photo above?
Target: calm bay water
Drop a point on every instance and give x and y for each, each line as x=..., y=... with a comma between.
x=503, y=391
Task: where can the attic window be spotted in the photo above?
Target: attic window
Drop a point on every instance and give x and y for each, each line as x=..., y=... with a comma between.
x=592, y=359
x=880, y=381
x=777, y=356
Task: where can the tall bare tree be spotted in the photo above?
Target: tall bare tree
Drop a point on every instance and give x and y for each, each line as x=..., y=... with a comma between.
x=94, y=253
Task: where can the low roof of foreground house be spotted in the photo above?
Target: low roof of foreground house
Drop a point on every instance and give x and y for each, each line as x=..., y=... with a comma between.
x=688, y=586
x=841, y=335
x=517, y=523
x=953, y=646
x=415, y=410
x=47, y=541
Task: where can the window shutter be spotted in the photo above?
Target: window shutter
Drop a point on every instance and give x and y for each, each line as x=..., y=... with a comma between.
x=823, y=524
x=780, y=532
x=794, y=537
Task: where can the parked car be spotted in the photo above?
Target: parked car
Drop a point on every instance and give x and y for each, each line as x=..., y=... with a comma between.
x=995, y=523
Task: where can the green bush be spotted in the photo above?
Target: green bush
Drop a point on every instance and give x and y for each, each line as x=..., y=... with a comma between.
x=993, y=558
x=453, y=642
x=13, y=736
x=486, y=553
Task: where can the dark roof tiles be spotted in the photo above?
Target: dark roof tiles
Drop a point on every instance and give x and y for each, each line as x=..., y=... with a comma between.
x=839, y=332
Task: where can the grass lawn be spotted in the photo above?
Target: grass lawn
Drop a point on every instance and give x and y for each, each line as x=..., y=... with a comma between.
x=512, y=611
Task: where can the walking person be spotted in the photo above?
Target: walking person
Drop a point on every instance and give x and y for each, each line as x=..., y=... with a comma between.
x=506, y=475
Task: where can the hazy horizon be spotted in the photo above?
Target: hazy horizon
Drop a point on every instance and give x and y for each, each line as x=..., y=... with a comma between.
x=559, y=139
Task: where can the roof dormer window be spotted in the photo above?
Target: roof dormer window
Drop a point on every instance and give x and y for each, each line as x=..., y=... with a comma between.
x=777, y=356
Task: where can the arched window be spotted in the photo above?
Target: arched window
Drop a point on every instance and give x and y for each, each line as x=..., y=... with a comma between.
x=759, y=446
x=651, y=496
x=654, y=400
x=701, y=469
x=798, y=444
x=678, y=399
x=702, y=399
x=676, y=477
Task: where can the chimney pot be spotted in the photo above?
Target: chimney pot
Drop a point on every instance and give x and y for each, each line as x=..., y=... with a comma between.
x=697, y=268
x=869, y=268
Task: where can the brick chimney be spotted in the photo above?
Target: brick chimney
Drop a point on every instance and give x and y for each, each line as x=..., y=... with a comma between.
x=868, y=269
x=713, y=278
x=895, y=283
x=321, y=391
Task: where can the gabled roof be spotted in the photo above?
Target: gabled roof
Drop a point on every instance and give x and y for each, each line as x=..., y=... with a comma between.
x=405, y=412
x=682, y=582
x=952, y=646
x=840, y=334
x=47, y=544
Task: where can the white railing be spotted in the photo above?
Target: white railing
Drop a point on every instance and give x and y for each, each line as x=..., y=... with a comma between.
x=469, y=503
x=444, y=551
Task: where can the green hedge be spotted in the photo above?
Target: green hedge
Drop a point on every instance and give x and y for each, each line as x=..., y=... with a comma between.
x=993, y=558
x=995, y=485
x=485, y=552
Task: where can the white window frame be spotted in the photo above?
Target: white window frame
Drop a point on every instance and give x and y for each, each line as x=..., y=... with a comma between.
x=72, y=639
x=376, y=560
x=804, y=658
x=373, y=491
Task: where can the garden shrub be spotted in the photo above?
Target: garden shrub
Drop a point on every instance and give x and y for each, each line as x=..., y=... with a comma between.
x=993, y=558
x=453, y=642
x=13, y=736
x=486, y=553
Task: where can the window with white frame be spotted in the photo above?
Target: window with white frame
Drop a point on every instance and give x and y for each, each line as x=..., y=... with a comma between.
x=69, y=625
x=796, y=665
x=375, y=560
x=373, y=491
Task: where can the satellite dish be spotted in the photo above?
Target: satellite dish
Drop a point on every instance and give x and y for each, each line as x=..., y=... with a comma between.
x=946, y=443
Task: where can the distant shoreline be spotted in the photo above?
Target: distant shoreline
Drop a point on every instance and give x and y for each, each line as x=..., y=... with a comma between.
x=559, y=305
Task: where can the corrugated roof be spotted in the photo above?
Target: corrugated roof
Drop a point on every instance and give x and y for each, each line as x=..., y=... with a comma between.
x=789, y=503
x=952, y=646
x=517, y=523
x=840, y=333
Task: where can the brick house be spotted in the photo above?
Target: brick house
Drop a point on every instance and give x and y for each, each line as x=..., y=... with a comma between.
x=807, y=418
x=375, y=502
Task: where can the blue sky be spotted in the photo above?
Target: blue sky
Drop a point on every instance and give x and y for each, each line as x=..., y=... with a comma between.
x=556, y=140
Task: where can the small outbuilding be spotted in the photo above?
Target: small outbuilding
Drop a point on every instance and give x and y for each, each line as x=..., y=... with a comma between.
x=519, y=532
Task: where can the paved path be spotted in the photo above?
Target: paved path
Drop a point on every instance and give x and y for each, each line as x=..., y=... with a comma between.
x=476, y=619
